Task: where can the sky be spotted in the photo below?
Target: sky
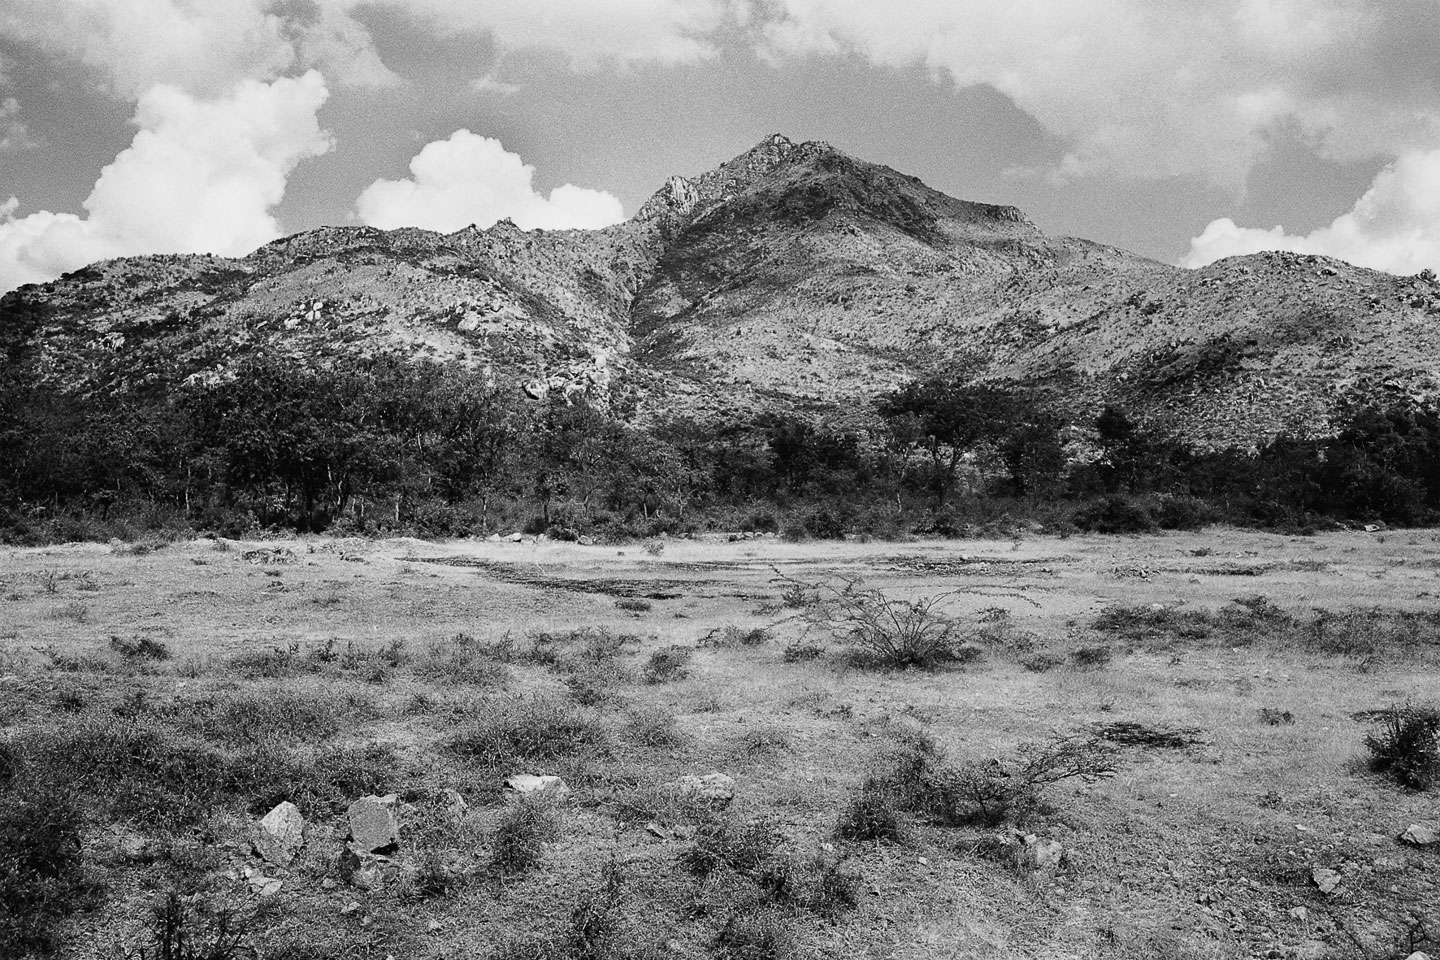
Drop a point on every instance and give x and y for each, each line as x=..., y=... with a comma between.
x=1184, y=130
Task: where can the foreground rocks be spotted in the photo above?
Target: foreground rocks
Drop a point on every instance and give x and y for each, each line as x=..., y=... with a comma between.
x=280, y=834
x=715, y=789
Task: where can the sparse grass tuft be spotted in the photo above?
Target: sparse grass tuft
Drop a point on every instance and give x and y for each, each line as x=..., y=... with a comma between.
x=139, y=647
x=721, y=843
x=41, y=880
x=653, y=727
x=633, y=605
x=461, y=660
x=518, y=844
x=1406, y=746
x=871, y=816
x=509, y=732
x=669, y=664
x=762, y=935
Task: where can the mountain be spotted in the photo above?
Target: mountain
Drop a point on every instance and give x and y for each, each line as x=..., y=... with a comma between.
x=791, y=278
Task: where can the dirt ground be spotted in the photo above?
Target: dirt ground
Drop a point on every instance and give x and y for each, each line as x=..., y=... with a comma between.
x=1207, y=849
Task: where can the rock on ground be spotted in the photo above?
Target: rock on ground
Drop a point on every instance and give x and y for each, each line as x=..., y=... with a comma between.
x=714, y=788
x=372, y=825
x=528, y=784
x=280, y=834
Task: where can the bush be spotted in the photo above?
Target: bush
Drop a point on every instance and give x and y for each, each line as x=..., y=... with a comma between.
x=1090, y=658
x=462, y=660
x=1406, y=747
x=893, y=633
x=40, y=870
x=756, y=936
x=633, y=605
x=1115, y=515
x=182, y=930
x=721, y=843
x=798, y=651
x=653, y=727
x=870, y=815
x=140, y=647
x=511, y=732
x=669, y=664
x=519, y=841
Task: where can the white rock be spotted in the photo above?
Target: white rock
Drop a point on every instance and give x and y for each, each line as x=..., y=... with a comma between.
x=715, y=788
x=1327, y=880
x=529, y=784
x=1418, y=835
x=280, y=834
x=515, y=537
x=372, y=825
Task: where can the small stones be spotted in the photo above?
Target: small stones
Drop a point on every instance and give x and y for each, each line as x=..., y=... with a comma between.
x=1300, y=914
x=280, y=834
x=1418, y=835
x=1043, y=854
x=363, y=871
x=372, y=826
x=260, y=884
x=715, y=789
x=528, y=784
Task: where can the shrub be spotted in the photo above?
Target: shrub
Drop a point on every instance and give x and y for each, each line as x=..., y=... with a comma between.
x=1115, y=515
x=461, y=660
x=1406, y=746
x=671, y=663
x=511, y=732
x=181, y=929
x=870, y=815
x=633, y=605
x=731, y=635
x=140, y=647
x=721, y=843
x=1089, y=658
x=798, y=651
x=893, y=633
x=1041, y=662
x=40, y=870
x=593, y=684
x=653, y=727
x=518, y=844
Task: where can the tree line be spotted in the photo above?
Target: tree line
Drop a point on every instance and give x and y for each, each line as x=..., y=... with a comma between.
x=390, y=444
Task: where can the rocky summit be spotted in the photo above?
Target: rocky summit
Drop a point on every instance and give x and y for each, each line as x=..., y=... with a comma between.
x=793, y=278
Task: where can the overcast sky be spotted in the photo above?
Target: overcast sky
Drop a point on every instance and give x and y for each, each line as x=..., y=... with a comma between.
x=1185, y=130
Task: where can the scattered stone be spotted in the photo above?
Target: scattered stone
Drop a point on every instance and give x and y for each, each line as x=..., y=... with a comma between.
x=515, y=537
x=714, y=788
x=493, y=538
x=267, y=555
x=1043, y=854
x=1299, y=913
x=585, y=541
x=526, y=784
x=454, y=800
x=1417, y=955
x=655, y=830
x=259, y=883
x=280, y=834
x=363, y=871
x=1327, y=880
x=434, y=926
x=329, y=883
x=352, y=907
x=1418, y=835
x=372, y=826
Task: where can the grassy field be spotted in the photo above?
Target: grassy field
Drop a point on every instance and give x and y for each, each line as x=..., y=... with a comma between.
x=155, y=703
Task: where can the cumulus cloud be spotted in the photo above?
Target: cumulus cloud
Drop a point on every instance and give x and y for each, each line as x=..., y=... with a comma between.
x=473, y=179
x=1154, y=88
x=202, y=48
x=201, y=176
x=1395, y=226
x=14, y=134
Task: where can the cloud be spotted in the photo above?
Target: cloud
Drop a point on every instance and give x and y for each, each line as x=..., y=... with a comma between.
x=1155, y=88
x=472, y=179
x=201, y=176
x=203, y=48
x=14, y=134
x=1395, y=226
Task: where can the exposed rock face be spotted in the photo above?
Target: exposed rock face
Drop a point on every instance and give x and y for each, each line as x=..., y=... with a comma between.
x=792, y=277
x=530, y=784
x=372, y=825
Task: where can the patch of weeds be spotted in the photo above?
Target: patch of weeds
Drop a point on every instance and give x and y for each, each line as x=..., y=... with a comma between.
x=75, y=612
x=1091, y=658
x=343, y=773
x=763, y=741
x=461, y=660
x=761, y=935
x=1041, y=662
x=732, y=635
x=633, y=605
x=834, y=889
x=653, y=727
x=518, y=844
x=1406, y=746
x=871, y=816
x=721, y=843
x=795, y=595
x=653, y=548
x=139, y=647
x=261, y=715
x=1272, y=717
x=594, y=684
x=1131, y=733
x=41, y=880
x=668, y=664
x=271, y=663
x=188, y=928
x=510, y=732
x=801, y=651
x=886, y=631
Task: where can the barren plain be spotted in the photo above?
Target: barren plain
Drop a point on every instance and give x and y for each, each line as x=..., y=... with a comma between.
x=174, y=694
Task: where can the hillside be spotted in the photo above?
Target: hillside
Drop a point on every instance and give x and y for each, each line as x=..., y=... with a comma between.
x=793, y=277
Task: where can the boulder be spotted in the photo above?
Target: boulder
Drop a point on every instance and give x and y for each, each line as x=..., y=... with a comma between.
x=1418, y=835
x=515, y=537
x=493, y=538
x=530, y=784
x=280, y=834
x=715, y=789
x=372, y=825
x=1043, y=854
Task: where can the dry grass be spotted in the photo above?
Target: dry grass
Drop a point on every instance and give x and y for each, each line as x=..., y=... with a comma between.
x=1228, y=705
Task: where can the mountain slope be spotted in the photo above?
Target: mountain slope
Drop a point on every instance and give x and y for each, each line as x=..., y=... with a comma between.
x=791, y=278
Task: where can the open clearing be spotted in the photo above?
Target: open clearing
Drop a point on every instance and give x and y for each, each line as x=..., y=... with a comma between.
x=322, y=670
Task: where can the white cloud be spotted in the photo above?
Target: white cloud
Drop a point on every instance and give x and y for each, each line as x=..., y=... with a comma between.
x=1395, y=226
x=202, y=48
x=201, y=176
x=1155, y=88
x=472, y=179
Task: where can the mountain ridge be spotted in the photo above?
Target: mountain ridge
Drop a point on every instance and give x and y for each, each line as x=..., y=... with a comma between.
x=791, y=278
